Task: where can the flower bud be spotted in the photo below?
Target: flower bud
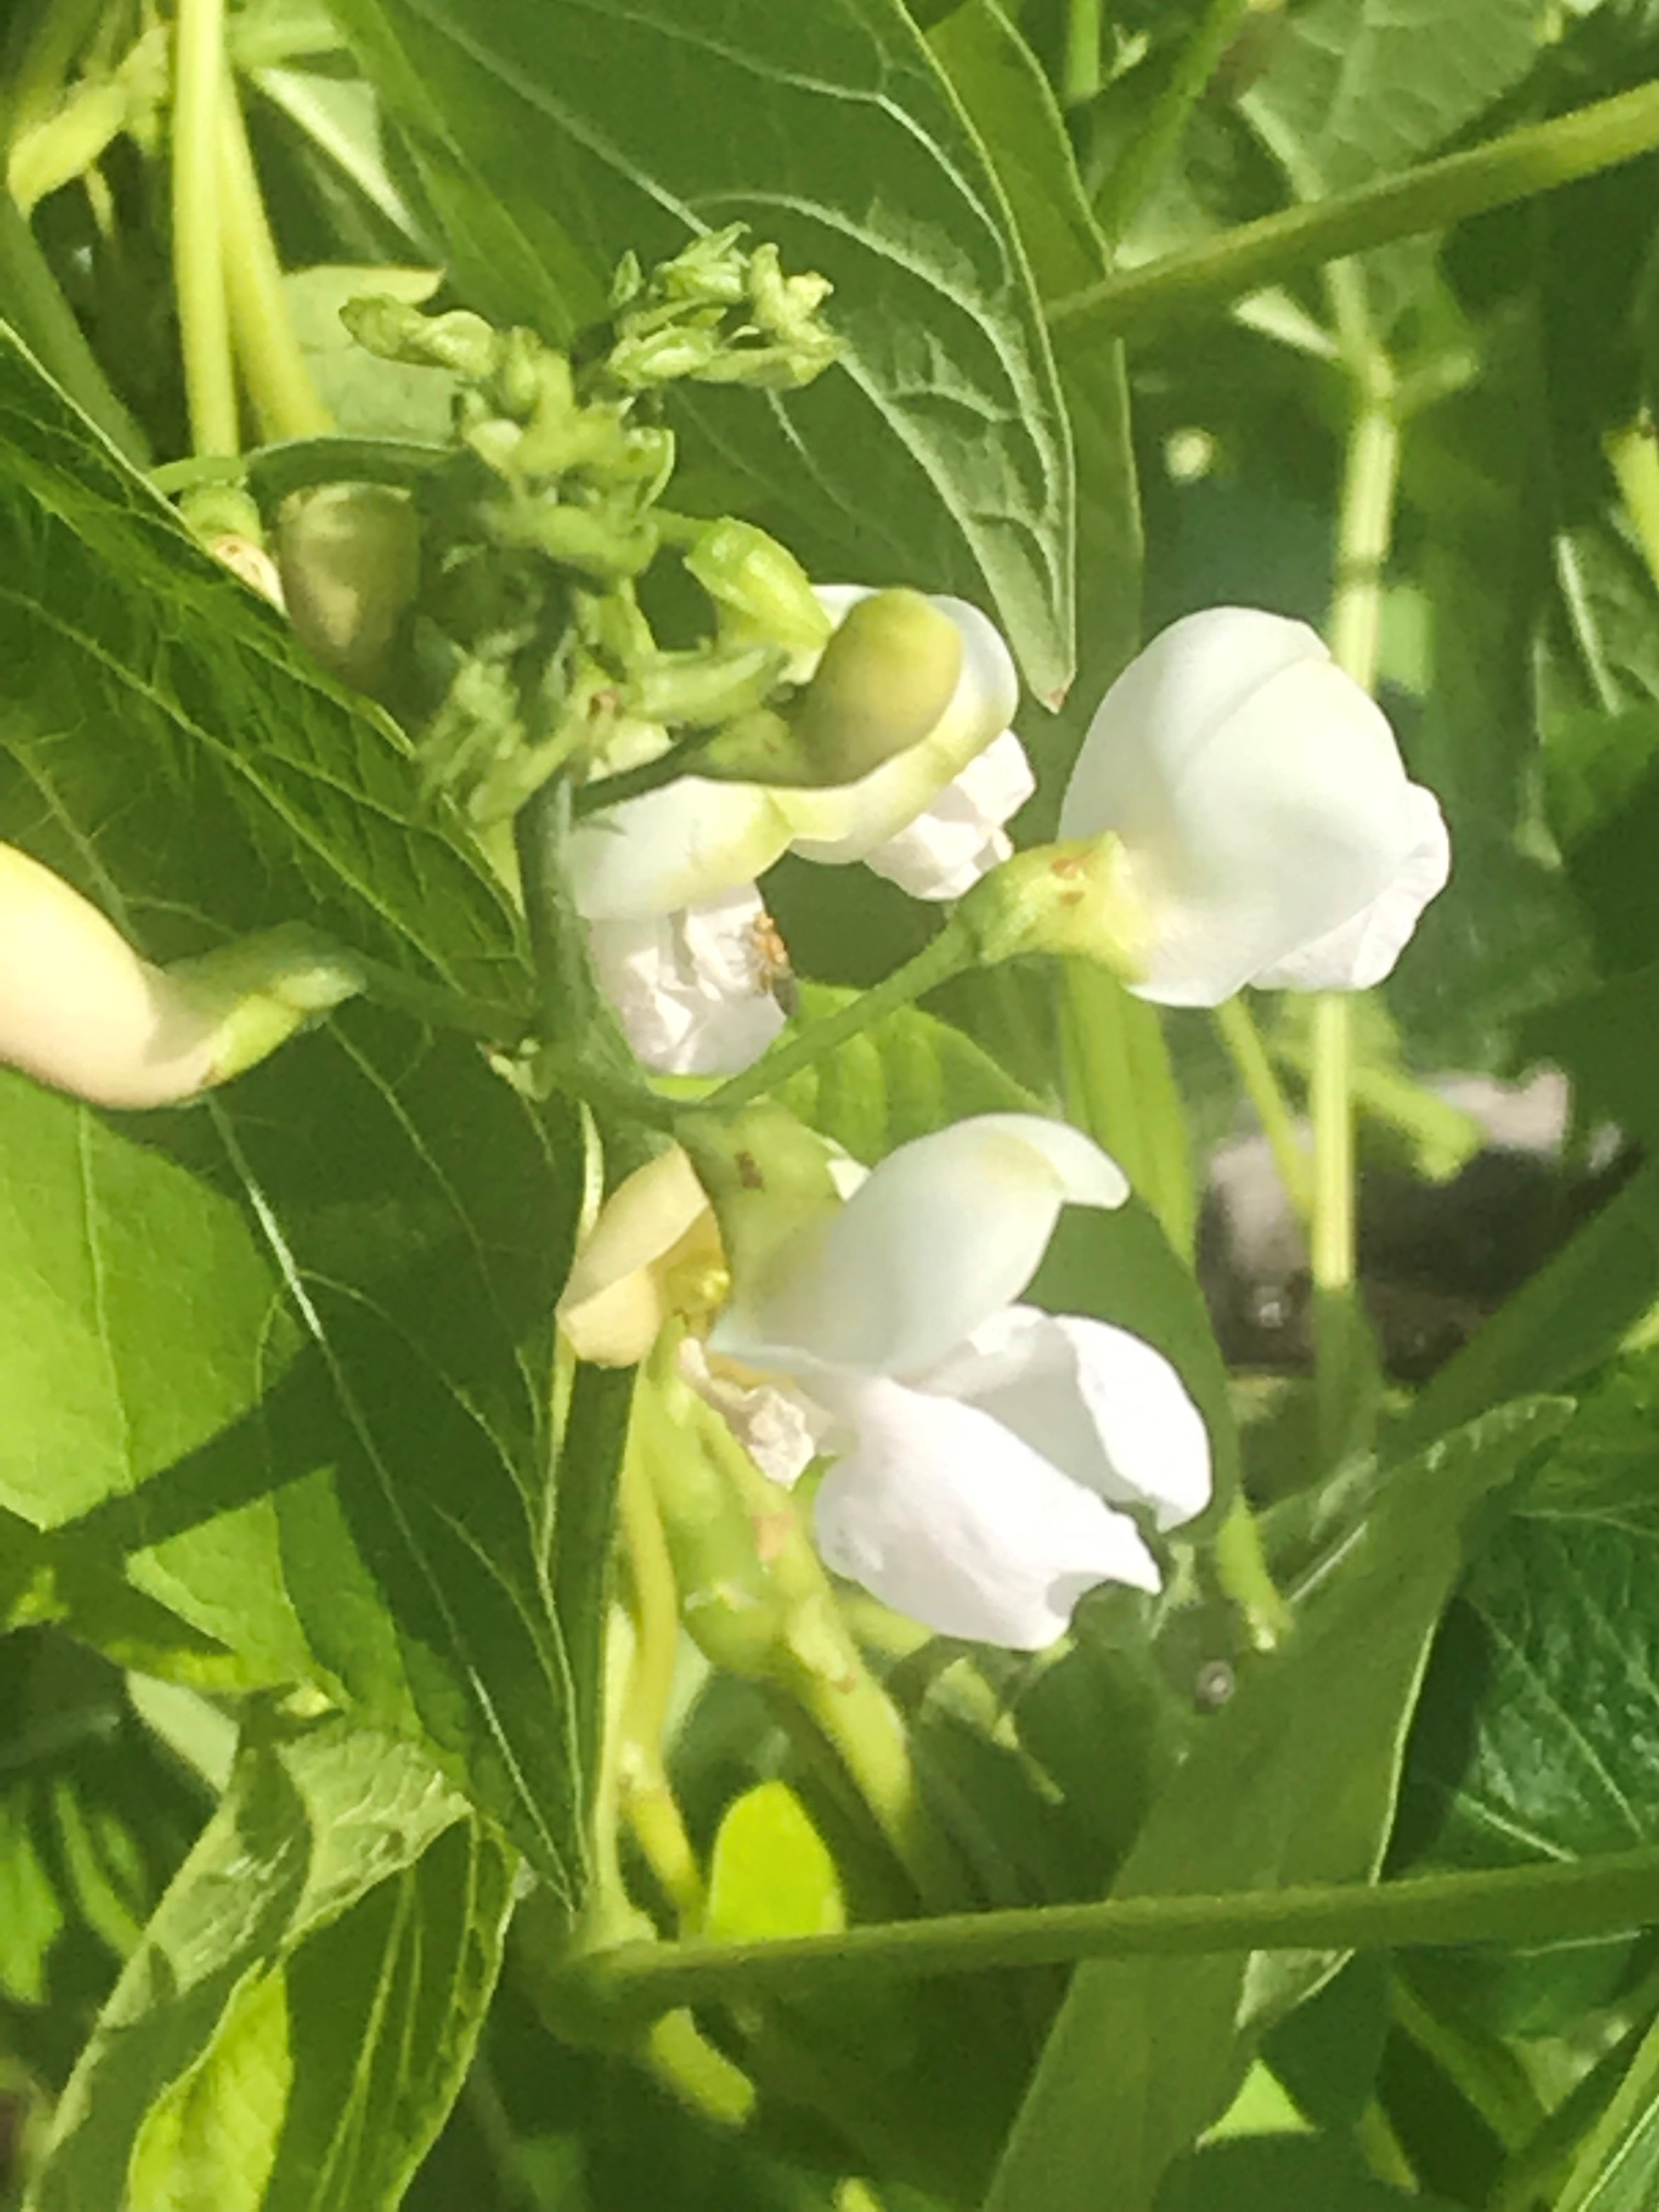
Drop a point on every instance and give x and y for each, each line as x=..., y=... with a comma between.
x=655, y=1251
x=252, y=563
x=754, y=580
x=1070, y=898
x=350, y=561
x=464, y=344
x=81, y=1011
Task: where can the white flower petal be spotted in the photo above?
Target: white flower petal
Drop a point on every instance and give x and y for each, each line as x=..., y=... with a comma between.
x=1097, y=1403
x=778, y=1426
x=942, y=853
x=952, y=1519
x=1257, y=790
x=681, y=846
x=691, y=988
x=1363, y=951
x=847, y=821
x=939, y=1237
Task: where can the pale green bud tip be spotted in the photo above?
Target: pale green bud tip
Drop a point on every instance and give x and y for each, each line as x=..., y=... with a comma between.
x=886, y=679
x=462, y=343
x=82, y=1011
x=760, y=583
x=1074, y=898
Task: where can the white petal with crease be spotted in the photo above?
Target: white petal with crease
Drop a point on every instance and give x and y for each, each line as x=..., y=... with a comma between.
x=953, y=1520
x=1097, y=1403
x=942, y=1235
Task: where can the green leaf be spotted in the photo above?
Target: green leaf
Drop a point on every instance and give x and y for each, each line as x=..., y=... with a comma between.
x=553, y=136
x=1145, y=2054
x=1008, y=99
x=1565, y=1320
x=1358, y=88
x=906, y=1075
x=1617, y=2169
x=298, y=2019
x=770, y=1873
x=1272, y=2172
x=319, y=1432
x=1608, y=1040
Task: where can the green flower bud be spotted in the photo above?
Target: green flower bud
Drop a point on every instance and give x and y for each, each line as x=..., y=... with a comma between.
x=461, y=342
x=699, y=691
x=752, y=578
x=350, y=561
x=1074, y=898
x=601, y=542
x=886, y=678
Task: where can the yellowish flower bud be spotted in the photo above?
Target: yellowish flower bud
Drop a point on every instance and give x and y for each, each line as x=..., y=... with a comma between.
x=80, y=1010
x=655, y=1252
x=350, y=561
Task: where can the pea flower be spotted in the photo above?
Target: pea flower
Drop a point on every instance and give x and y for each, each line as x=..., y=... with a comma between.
x=1269, y=832
x=983, y=1450
x=684, y=859
x=81, y=1011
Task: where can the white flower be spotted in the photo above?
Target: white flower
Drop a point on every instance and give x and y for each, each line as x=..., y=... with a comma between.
x=1269, y=833
x=693, y=990
x=696, y=839
x=80, y=1010
x=942, y=853
x=984, y=1448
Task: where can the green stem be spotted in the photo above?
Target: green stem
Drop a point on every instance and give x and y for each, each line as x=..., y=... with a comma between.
x=1152, y=148
x=949, y=953
x=1536, y=159
x=1551, y=1902
x=1236, y=1026
x=198, y=274
x=1485, y=2073
x=439, y=1006
x=1365, y=530
x=1241, y=1566
x=58, y=35
x=41, y=315
x=648, y=1802
x=273, y=367
x=1122, y=1089
x=1080, y=71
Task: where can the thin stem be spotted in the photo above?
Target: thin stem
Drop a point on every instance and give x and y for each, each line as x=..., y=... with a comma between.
x=1547, y=1902
x=1241, y=1566
x=39, y=311
x=949, y=953
x=273, y=367
x=440, y=1007
x=1236, y=1026
x=1365, y=530
x=1122, y=1089
x=1080, y=73
x=1152, y=148
x=648, y=1802
x=1488, y=2076
x=198, y=276
x=1536, y=159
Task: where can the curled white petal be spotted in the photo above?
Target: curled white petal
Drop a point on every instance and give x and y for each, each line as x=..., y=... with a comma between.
x=681, y=846
x=778, y=1426
x=848, y=822
x=942, y=853
x=1106, y=1409
x=1258, y=793
x=692, y=989
x=952, y=1519
x=1364, y=950
x=938, y=1238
